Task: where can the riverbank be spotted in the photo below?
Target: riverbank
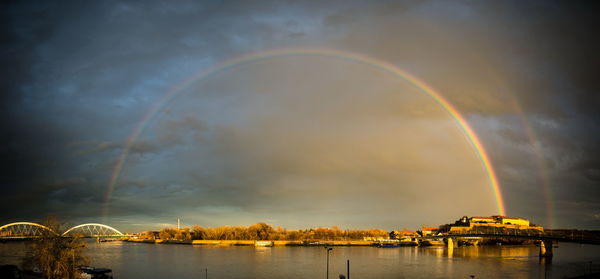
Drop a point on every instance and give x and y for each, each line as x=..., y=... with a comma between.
x=377, y=243
x=260, y=242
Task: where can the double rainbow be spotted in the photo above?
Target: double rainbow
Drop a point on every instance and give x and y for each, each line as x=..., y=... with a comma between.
x=376, y=63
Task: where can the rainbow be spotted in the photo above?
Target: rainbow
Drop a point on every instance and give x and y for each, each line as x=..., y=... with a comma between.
x=530, y=132
x=379, y=64
x=541, y=165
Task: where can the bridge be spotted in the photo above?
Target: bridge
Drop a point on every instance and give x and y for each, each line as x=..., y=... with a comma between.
x=28, y=230
x=541, y=236
x=546, y=240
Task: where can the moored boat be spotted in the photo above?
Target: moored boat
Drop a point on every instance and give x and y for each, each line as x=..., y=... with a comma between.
x=87, y=272
x=262, y=243
x=386, y=245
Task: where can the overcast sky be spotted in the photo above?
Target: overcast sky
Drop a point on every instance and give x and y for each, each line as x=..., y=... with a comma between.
x=299, y=140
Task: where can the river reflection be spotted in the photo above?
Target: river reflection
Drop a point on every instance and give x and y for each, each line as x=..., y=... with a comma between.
x=138, y=260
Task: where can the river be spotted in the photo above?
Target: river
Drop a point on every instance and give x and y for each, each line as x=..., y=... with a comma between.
x=141, y=260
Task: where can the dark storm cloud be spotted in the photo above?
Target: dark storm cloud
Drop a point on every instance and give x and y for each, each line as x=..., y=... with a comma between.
x=535, y=51
x=77, y=77
x=76, y=73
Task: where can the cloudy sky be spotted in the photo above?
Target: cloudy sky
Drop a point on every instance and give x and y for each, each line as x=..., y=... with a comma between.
x=299, y=140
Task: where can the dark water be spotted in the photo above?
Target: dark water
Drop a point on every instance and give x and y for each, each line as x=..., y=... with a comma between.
x=139, y=260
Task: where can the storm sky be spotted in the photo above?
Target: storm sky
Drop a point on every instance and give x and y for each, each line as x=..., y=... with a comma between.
x=299, y=140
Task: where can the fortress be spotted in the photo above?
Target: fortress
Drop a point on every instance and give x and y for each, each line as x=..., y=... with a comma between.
x=480, y=223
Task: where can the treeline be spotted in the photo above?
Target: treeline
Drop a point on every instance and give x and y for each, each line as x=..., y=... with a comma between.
x=261, y=231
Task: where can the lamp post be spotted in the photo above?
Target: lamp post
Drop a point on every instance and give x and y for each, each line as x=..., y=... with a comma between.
x=328, y=249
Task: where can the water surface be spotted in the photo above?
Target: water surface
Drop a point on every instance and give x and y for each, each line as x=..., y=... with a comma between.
x=140, y=260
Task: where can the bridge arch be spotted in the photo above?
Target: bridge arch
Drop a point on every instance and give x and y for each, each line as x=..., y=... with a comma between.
x=93, y=229
x=24, y=229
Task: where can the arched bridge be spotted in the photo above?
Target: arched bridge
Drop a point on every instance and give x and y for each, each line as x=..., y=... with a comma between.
x=23, y=230
x=92, y=230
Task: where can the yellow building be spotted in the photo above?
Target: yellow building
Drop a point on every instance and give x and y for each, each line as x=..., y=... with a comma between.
x=496, y=222
x=481, y=219
x=425, y=231
x=513, y=221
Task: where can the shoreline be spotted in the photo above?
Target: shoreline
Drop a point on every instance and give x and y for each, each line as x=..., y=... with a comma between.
x=304, y=243
x=258, y=243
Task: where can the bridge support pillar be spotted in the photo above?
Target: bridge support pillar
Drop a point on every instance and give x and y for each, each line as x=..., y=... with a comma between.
x=546, y=248
x=450, y=243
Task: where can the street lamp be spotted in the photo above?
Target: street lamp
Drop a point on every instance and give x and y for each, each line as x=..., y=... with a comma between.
x=328, y=249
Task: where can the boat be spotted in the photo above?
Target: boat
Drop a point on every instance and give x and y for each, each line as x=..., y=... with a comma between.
x=386, y=245
x=98, y=239
x=260, y=243
x=88, y=272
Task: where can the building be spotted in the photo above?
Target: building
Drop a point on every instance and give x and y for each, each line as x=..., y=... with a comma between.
x=481, y=219
x=491, y=224
x=425, y=231
x=513, y=221
x=405, y=237
x=403, y=234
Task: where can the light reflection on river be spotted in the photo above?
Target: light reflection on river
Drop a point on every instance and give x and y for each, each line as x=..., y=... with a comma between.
x=139, y=260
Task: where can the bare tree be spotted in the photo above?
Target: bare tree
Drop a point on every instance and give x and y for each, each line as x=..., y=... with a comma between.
x=55, y=256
